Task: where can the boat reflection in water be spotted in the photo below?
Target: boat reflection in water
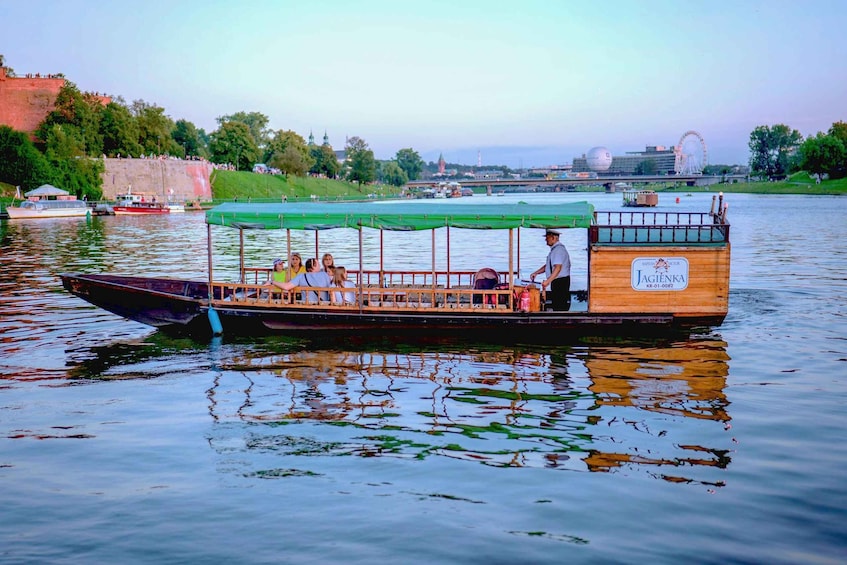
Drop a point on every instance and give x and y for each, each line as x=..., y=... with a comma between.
x=587, y=406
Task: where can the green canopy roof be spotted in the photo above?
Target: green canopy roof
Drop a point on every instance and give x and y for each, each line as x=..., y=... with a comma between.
x=400, y=216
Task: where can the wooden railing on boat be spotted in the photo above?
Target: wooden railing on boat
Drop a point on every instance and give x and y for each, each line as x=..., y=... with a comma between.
x=371, y=297
x=663, y=228
x=423, y=279
x=434, y=290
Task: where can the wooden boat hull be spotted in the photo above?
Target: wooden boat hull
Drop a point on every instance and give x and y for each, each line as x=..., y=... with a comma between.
x=182, y=306
x=162, y=303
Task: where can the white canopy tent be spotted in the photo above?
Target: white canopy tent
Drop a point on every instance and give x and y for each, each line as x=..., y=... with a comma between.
x=47, y=190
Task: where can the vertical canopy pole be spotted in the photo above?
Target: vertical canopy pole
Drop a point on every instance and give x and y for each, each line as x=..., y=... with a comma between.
x=317, y=249
x=381, y=258
x=519, y=251
x=448, y=257
x=209, y=255
x=214, y=319
x=361, y=270
x=241, y=252
x=512, y=253
x=288, y=250
x=432, y=245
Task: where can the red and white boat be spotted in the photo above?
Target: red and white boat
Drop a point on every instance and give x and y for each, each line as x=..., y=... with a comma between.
x=138, y=203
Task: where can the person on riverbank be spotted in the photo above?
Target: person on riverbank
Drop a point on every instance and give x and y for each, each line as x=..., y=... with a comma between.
x=313, y=277
x=339, y=279
x=557, y=272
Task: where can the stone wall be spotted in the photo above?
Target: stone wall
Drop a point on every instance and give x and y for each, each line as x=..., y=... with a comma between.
x=168, y=179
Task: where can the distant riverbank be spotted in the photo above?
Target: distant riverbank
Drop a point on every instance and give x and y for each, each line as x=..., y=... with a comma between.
x=233, y=185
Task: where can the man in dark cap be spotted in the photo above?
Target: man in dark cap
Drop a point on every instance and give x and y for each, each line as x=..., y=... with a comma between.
x=557, y=272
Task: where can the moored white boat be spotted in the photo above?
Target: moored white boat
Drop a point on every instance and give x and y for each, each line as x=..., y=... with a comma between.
x=48, y=209
x=47, y=201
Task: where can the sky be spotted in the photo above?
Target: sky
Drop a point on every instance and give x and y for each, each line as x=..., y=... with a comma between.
x=523, y=83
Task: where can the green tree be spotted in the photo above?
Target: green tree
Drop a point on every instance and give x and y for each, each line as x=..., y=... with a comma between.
x=839, y=130
x=411, y=163
x=823, y=154
x=646, y=167
x=10, y=72
x=717, y=169
x=72, y=169
x=77, y=111
x=326, y=162
x=119, y=130
x=256, y=122
x=362, y=168
x=393, y=174
x=21, y=164
x=288, y=152
x=771, y=149
x=154, y=129
x=233, y=143
x=187, y=136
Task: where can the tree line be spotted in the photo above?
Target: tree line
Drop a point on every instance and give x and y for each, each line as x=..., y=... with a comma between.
x=776, y=151
x=81, y=128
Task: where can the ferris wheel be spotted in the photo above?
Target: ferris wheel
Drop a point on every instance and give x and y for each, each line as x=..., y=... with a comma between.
x=690, y=154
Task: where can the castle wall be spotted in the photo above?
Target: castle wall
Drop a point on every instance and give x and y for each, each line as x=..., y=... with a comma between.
x=26, y=101
x=189, y=180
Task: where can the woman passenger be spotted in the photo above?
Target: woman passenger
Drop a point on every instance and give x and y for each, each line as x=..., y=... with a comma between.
x=328, y=263
x=339, y=279
x=295, y=266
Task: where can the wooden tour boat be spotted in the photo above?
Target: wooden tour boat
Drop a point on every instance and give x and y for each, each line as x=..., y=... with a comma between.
x=640, y=198
x=647, y=272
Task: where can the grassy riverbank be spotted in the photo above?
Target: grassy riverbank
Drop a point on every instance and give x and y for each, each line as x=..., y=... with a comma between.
x=228, y=185
x=798, y=183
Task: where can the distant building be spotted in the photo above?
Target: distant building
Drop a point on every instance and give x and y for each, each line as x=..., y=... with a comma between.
x=664, y=159
x=490, y=174
x=544, y=171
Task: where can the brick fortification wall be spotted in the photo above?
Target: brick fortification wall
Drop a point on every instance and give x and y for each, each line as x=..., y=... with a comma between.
x=189, y=180
x=26, y=101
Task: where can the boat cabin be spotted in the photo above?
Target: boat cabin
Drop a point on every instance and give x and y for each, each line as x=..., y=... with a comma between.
x=640, y=198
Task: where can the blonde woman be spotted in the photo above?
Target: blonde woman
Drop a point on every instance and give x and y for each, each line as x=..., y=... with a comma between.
x=339, y=279
x=295, y=266
x=327, y=263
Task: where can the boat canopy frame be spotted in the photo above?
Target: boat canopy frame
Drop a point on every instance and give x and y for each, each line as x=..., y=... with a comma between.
x=396, y=216
x=399, y=216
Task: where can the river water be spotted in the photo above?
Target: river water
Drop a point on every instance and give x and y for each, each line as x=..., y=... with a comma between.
x=120, y=444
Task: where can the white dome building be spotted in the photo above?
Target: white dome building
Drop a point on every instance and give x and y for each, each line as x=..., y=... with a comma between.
x=599, y=159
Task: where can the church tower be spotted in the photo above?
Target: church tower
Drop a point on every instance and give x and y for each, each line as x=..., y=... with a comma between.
x=442, y=164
